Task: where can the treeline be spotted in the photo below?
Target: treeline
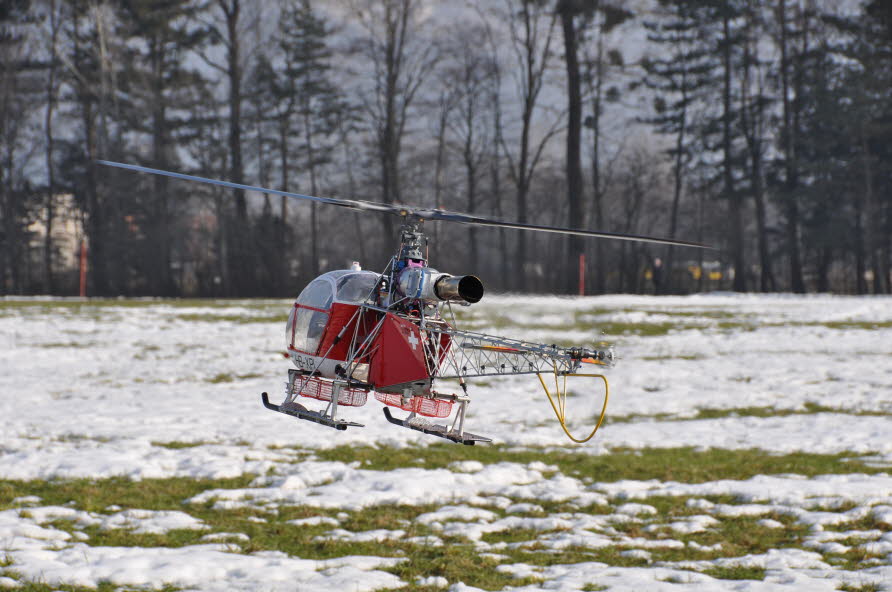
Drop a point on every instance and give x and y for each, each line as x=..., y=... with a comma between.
x=763, y=127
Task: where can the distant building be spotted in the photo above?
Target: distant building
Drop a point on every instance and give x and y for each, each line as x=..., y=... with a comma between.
x=66, y=236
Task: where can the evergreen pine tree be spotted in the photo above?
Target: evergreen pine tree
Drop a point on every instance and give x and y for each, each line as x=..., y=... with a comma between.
x=159, y=82
x=679, y=76
x=315, y=104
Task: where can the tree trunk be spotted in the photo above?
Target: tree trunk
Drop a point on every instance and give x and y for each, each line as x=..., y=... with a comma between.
x=860, y=281
x=825, y=258
x=97, y=266
x=597, y=189
x=314, y=189
x=736, y=208
x=51, y=95
x=495, y=176
x=438, y=175
x=791, y=177
x=240, y=268
x=574, y=131
x=668, y=283
x=161, y=281
x=752, y=117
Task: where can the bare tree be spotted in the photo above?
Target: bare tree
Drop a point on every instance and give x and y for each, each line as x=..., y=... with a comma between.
x=531, y=29
x=52, y=93
x=88, y=67
x=790, y=138
x=568, y=11
x=228, y=31
x=753, y=105
x=400, y=61
x=472, y=78
x=599, y=63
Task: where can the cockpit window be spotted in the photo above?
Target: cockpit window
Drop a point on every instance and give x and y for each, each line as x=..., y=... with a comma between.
x=356, y=287
x=318, y=295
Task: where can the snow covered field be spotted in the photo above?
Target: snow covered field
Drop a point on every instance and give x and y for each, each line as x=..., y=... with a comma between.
x=748, y=447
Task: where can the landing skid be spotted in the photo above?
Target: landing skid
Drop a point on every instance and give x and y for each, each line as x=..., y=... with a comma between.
x=301, y=412
x=441, y=431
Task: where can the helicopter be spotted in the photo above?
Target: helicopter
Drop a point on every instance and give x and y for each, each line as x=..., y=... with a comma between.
x=352, y=332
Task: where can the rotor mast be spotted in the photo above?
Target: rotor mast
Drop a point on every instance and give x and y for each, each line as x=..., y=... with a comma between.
x=413, y=242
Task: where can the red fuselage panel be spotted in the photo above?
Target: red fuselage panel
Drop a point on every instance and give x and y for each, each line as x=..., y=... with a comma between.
x=398, y=354
x=342, y=315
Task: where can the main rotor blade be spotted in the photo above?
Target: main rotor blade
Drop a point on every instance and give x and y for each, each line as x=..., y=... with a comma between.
x=482, y=221
x=348, y=203
x=422, y=213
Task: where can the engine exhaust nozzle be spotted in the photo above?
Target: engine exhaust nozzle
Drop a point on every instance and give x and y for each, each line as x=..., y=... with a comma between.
x=459, y=287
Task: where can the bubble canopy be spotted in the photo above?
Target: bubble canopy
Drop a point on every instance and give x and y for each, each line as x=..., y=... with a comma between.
x=343, y=286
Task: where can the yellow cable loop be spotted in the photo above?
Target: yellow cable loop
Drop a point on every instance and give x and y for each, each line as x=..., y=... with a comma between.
x=561, y=407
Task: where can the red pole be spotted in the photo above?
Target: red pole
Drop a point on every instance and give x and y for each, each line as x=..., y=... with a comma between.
x=582, y=274
x=83, y=287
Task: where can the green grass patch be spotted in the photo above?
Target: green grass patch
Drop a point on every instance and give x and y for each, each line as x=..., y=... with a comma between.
x=68, y=345
x=122, y=537
x=516, y=535
x=737, y=536
x=861, y=587
x=854, y=559
x=868, y=522
x=78, y=304
x=735, y=572
x=232, y=318
x=743, y=535
x=538, y=554
x=457, y=559
x=688, y=465
x=707, y=320
x=177, y=445
x=32, y=586
x=849, y=325
x=94, y=495
x=227, y=377
x=688, y=357
x=713, y=413
x=457, y=562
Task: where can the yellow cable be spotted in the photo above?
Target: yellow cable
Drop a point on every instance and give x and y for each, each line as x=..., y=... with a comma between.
x=562, y=402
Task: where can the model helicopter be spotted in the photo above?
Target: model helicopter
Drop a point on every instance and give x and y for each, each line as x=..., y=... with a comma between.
x=353, y=332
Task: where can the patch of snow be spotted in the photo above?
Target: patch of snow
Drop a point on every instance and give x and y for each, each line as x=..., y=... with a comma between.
x=367, y=536
x=314, y=521
x=432, y=581
x=636, y=554
x=466, y=466
x=632, y=509
x=463, y=513
x=524, y=508
x=225, y=536
x=151, y=522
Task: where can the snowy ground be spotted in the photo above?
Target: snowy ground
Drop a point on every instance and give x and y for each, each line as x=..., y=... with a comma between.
x=167, y=390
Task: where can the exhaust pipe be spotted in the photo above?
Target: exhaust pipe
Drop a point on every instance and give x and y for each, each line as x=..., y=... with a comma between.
x=459, y=287
x=429, y=285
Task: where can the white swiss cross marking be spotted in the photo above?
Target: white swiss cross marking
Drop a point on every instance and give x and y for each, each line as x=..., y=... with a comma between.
x=414, y=341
